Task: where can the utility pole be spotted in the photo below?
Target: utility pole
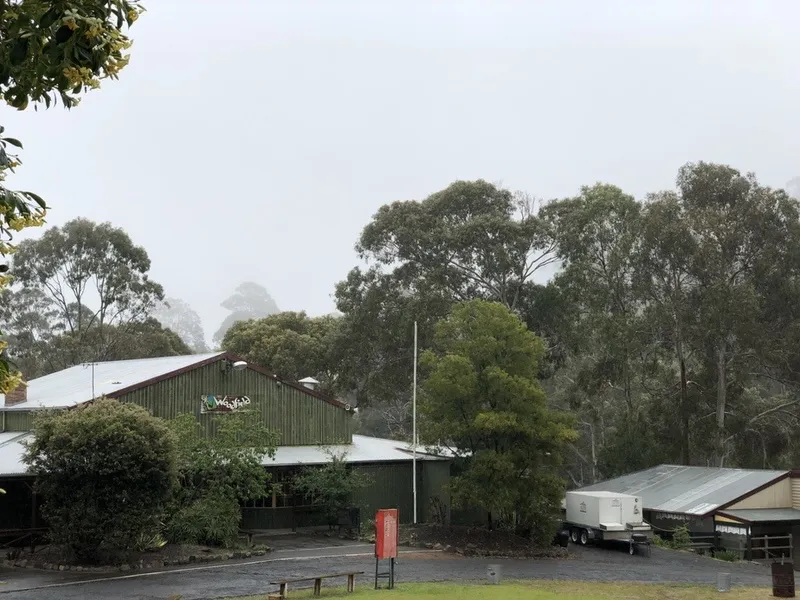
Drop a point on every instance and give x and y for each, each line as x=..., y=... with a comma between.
x=91, y=364
x=414, y=424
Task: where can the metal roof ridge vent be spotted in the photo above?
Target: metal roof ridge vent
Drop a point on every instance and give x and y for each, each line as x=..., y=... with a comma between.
x=309, y=382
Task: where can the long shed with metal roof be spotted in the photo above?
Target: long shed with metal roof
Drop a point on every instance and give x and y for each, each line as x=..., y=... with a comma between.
x=734, y=509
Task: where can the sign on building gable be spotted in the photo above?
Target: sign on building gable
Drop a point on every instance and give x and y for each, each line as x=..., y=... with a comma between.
x=222, y=404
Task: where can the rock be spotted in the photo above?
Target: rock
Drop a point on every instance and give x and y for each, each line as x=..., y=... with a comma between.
x=60, y=567
x=125, y=568
x=79, y=568
x=437, y=546
x=22, y=564
x=192, y=558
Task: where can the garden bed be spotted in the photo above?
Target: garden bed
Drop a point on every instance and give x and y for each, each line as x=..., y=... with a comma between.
x=53, y=558
x=475, y=541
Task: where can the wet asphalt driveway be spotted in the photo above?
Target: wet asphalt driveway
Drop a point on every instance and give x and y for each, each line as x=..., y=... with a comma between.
x=254, y=576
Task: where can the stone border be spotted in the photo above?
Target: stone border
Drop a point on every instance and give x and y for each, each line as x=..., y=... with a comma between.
x=140, y=566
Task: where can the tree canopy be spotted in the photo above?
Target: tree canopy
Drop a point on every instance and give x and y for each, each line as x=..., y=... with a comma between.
x=49, y=52
x=289, y=344
x=248, y=301
x=106, y=472
x=178, y=316
x=482, y=399
x=82, y=293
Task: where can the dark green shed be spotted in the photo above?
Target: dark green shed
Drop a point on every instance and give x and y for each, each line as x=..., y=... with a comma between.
x=208, y=384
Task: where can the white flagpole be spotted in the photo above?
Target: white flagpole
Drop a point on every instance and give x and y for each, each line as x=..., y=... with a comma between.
x=414, y=424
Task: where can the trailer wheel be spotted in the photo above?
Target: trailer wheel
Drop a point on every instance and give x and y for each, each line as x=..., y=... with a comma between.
x=573, y=535
x=584, y=537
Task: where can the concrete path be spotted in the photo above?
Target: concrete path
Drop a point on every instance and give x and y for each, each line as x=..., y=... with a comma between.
x=239, y=578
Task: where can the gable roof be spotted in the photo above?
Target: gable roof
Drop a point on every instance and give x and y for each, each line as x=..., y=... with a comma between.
x=690, y=490
x=73, y=386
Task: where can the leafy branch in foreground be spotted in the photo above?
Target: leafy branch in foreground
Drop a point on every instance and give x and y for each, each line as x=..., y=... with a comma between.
x=51, y=50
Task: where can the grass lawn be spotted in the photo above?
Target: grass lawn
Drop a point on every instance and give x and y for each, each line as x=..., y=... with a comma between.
x=534, y=590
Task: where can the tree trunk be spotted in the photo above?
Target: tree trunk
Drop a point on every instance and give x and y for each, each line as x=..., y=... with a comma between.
x=722, y=398
x=593, y=442
x=684, y=387
x=489, y=520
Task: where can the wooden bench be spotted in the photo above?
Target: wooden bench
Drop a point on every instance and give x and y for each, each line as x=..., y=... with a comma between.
x=317, y=579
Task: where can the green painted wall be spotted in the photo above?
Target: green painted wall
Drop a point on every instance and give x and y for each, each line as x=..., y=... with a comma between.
x=300, y=419
x=435, y=480
x=390, y=487
x=17, y=420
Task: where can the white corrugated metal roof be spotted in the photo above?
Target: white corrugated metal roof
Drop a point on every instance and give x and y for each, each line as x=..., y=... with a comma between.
x=363, y=449
x=74, y=385
x=11, y=451
x=688, y=490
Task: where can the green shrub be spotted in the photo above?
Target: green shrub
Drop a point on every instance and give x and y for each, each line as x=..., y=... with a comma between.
x=212, y=520
x=727, y=555
x=331, y=485
x=681, y=538
x=661, y=542
x=106, y=472
x=217, y=473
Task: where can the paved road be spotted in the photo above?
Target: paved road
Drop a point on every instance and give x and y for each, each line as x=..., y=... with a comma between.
x=253, y=577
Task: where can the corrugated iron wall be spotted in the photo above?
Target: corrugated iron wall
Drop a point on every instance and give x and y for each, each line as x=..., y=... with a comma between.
x=390, y=487
x=300, y=419
x=796, y=492
x=17, y=420
x=435, y=479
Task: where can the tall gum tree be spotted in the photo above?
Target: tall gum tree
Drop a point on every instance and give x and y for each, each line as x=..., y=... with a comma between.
x=745, y=234
x=51, y=51
x=469, y=240
x=597, y=233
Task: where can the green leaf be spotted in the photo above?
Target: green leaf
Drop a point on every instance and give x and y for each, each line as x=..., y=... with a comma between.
x=13, y=142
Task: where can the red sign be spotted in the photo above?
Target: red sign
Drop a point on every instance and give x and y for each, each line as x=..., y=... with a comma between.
x=386, y=533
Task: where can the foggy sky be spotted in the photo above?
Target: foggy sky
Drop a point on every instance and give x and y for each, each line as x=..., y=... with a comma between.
x=253, y=139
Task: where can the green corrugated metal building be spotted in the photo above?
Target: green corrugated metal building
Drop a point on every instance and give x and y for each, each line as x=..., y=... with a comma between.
x=206, y=385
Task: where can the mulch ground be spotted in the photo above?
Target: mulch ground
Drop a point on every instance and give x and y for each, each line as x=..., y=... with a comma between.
x=475, y=541
x=53, y=557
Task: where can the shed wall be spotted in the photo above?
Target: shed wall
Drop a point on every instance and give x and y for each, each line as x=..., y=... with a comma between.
x=17, y=420
x=299, y=418
x=390, y=487
x=795, y=492
x=778, y=495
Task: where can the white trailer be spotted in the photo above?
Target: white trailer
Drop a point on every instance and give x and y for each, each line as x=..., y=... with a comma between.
x=606, y=516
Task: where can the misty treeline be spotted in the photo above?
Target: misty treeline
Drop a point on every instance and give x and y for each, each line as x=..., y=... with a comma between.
x=670, y=323
x=82, y=293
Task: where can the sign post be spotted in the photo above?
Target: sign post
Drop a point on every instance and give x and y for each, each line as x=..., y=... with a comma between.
x=386, y=521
